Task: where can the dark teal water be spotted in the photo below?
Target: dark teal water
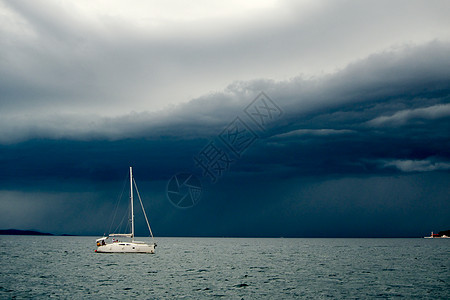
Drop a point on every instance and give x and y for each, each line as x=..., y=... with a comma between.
x=192, y=268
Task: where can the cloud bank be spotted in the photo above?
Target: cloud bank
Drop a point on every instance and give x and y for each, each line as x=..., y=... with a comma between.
x=342, y=123
x=392, y=96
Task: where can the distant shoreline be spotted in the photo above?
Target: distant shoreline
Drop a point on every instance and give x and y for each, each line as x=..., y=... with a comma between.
x=27, y=232
x=38, y=233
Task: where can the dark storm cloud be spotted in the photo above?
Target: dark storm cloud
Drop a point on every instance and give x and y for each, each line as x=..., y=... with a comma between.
x=368, y=144
x=392, y=106
x=389, y=81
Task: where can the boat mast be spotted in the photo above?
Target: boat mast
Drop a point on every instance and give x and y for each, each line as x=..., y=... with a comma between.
x=131, y=199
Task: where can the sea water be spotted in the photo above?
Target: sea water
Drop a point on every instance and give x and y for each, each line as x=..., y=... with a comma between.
x=232, y=268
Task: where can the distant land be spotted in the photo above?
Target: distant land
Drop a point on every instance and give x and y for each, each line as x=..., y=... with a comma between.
x=25, y=232
x=34, y=232
x=21, y=232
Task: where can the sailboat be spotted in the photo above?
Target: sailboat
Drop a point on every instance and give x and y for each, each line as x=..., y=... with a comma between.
x=116, y=246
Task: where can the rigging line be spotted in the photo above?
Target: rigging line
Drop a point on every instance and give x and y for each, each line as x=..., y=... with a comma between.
x=143, y=210
x=117, y=205
x=121, y=223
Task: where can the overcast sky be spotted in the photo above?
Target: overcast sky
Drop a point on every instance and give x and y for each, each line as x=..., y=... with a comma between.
x=358, y=144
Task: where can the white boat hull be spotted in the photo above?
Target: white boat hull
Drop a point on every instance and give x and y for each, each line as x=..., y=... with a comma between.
x=128, y=247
